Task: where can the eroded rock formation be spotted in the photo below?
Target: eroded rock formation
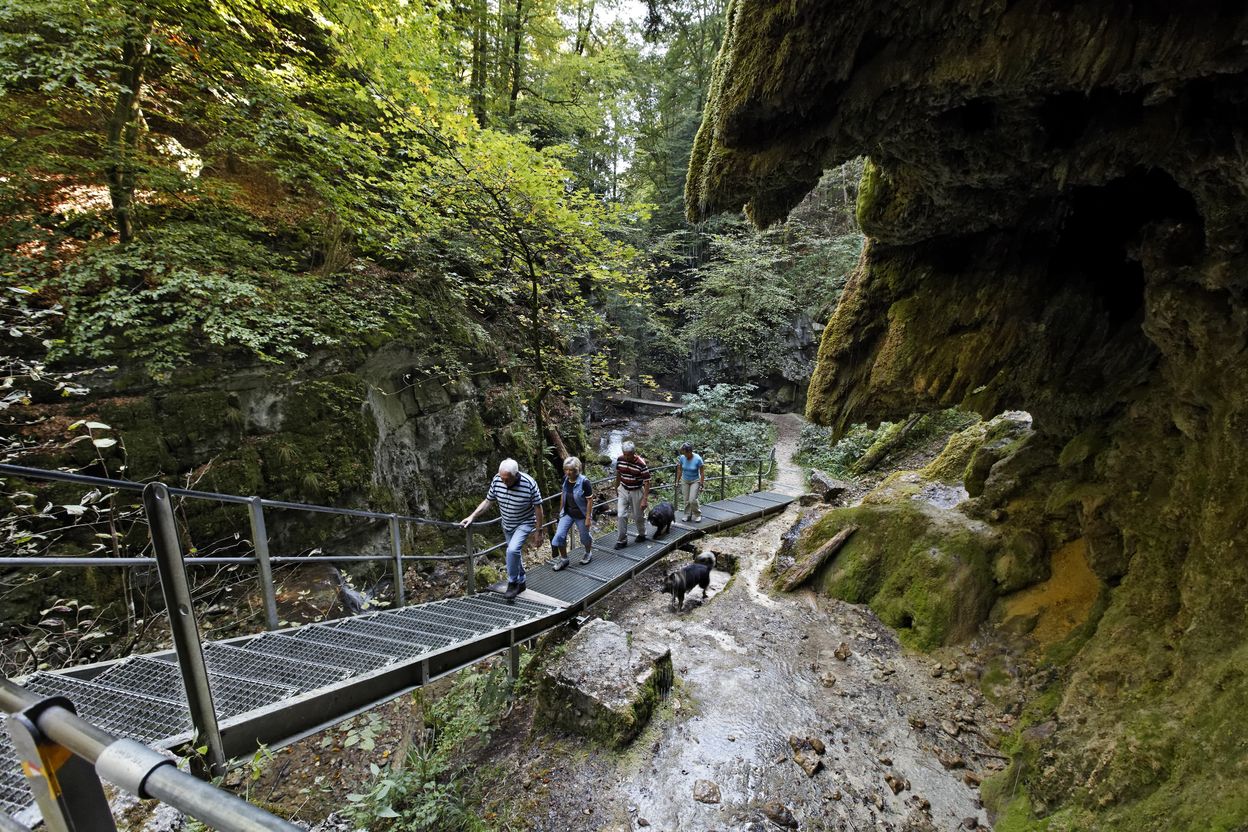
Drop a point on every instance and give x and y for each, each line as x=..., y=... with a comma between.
x=1057, y=203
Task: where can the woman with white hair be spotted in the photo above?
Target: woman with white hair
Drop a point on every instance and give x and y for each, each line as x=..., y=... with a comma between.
x=576, y=508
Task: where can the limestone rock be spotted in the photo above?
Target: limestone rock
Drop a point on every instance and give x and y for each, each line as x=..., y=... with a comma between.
x=605, y=685
x=828, y=488
x=705, y=791
x=780, y=815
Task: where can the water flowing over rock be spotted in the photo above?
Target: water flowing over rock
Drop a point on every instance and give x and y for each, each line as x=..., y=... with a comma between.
x=605, y=685
x=1056, y=207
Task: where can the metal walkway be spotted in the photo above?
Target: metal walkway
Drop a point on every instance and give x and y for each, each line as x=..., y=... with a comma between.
x=280, y=686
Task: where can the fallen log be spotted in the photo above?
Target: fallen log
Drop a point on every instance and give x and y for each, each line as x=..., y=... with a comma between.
x=800, y=572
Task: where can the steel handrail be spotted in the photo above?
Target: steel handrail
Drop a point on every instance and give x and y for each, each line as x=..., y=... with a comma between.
x=137, y=769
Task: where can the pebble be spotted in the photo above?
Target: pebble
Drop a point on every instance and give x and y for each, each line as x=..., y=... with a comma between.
x=704, y=791
x=842, y=652
x=949, y=727
x=897, y=784
x=970, y=823
x=642, y=822
x=950, y=760
x=780, y=815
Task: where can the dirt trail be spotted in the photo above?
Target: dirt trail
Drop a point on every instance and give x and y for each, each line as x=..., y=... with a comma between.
x=753, y=669
x=790, y=477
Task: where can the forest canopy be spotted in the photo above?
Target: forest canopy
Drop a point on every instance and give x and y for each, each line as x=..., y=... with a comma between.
x=265, y=178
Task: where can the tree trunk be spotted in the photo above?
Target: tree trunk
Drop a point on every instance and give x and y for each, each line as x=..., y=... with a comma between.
x=799, y=573
x=124, y=126
x=480, y=59
x=583, y=27
x=876, y=453
x=517, y=38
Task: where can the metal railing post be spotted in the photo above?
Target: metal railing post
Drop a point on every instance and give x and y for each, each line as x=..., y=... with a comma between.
x=65, y=786
x=760, y=474
x=260, y=541
x=723, y=478
x=396, y=549
x=470, y=563
x=181, y=610
x=513, y=662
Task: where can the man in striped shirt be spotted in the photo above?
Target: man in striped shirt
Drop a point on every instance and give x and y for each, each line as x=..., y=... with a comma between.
x=632, y=489
x=520, y=505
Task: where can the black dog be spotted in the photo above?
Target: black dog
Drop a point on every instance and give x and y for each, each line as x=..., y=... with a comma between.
x=662, y=517
x=686, y=578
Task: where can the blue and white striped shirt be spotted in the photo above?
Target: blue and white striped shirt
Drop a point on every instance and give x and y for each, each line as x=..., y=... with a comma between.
x=515, y=503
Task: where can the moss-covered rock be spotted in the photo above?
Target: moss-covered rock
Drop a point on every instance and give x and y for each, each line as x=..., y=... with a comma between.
x=923, y=573
x=604, y=685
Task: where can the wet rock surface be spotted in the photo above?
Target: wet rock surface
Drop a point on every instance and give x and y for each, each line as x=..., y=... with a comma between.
x=750, y=695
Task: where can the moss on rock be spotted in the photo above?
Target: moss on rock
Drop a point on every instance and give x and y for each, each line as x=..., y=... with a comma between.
x=923, y=575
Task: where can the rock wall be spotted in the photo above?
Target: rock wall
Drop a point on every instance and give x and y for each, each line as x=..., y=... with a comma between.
x=1056, y=204
x=375, y=430
x=784, y=389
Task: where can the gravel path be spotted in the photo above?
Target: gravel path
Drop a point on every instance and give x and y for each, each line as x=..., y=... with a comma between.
x=790, y=477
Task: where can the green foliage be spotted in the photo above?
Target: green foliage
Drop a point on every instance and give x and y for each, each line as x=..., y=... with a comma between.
x=816, y=448
x=752, y=285
x=432, y=788
x=719, y=425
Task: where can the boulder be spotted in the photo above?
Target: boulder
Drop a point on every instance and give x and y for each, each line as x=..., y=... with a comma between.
x=605, y=685
x=827, y=487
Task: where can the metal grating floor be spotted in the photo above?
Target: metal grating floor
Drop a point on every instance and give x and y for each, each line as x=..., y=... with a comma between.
x=340, y=637
x=248, y=664
x=144, y=718
x=14, y=794
x=429, y=622
x=230, y=695
x=369, y=626
x=284, y=646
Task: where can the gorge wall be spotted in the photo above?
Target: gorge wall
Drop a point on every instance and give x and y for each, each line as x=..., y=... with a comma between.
x=1057, y=207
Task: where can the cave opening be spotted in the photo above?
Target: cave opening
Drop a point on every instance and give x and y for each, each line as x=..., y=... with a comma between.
x=1098, y=228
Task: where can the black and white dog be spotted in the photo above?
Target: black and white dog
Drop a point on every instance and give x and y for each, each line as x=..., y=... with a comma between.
x=682, y=580
x=662, y=517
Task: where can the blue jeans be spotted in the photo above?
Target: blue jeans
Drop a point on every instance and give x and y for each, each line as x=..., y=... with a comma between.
x=561, y=533
x=515, y=546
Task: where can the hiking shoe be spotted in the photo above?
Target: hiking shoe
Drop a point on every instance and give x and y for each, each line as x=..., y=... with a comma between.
x=586, y=558
x=698, y=519
x=641, y=538
x=620, y=544
x=562, y=563
x=513, y=589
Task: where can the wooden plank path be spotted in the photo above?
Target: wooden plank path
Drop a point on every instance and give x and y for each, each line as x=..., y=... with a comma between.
x=277, y=687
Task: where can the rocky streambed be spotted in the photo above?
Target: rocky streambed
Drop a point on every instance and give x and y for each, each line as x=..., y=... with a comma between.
x=793, y=711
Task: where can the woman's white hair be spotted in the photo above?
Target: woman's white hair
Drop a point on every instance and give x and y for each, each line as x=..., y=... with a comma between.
x=572, y=463
x=509, y=466
x=628, y=448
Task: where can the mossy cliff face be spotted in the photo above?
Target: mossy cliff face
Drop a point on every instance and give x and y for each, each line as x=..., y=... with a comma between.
x=1058, y=214
x=368, y=430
